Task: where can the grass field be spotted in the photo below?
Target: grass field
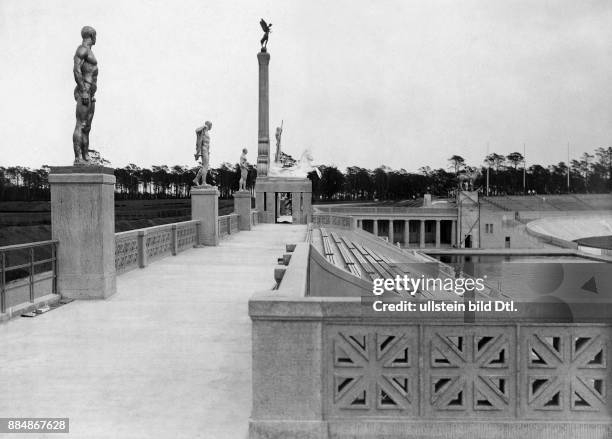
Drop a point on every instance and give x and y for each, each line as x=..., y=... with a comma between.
x=23, y=222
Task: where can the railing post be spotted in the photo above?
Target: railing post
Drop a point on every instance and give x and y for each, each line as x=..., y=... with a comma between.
x=2, y=282
x=198, y=230
x=32, y=274
x=54, y=268
x=174, y=240
x=142, y=248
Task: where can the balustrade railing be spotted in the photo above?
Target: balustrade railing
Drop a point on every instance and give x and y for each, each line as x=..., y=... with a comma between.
x=228, y=224
x=362, y=210
x=136, y=248
x=23, y=267
x=329, y=219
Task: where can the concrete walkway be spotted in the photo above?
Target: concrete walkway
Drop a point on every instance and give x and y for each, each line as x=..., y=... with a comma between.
x=169, y=356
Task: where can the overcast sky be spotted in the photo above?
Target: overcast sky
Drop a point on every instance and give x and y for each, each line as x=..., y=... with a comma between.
x=400, y=83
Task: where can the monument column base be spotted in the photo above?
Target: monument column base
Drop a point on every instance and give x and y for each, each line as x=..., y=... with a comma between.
x=83, y=221
x=205, y=207
x=242, y=206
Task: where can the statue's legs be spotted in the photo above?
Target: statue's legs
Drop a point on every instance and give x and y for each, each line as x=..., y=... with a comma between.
x=243, y=179
x=86, y=130
x=196, y=180
x=80, y=137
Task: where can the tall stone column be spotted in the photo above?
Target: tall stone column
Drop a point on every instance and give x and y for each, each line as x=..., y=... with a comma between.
x=437, y=233
x=205, y=207
x=422, y=234
x=391, y=232
x=263, y=145
x=375, y=227
x=406, y=233
x=83, y=221
x=454, y=233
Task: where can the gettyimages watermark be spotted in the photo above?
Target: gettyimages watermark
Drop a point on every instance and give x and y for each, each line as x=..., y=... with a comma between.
x=461, y=287
x=562, y=292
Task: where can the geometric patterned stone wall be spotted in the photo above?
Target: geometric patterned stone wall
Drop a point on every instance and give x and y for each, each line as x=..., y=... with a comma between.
x=522, y=372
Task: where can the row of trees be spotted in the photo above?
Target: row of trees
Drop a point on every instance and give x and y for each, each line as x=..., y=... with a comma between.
x=589, y=173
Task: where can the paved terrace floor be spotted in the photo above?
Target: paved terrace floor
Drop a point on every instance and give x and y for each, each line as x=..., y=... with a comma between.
x=168, y=356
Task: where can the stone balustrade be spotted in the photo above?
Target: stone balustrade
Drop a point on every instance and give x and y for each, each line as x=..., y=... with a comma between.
x=137, y=248
x=228, y=224
x=329, y=219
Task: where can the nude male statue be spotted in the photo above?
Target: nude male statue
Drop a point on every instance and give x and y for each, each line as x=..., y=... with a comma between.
x=86, y=76
x=244, y=169
x=278, y=135
x=203, y=152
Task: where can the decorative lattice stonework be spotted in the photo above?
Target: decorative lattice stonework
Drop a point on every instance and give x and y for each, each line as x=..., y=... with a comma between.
x=126, y=253
x=470, y=370
x=186, y=236
x=564, y=372
x=158, y=243
x=373, y=372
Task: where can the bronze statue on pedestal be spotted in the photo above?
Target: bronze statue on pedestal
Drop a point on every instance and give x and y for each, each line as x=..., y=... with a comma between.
x=86, y=76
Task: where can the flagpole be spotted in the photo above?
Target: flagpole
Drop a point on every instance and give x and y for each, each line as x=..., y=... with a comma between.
x=568, y=170
x=524, y=164
x=488, y=168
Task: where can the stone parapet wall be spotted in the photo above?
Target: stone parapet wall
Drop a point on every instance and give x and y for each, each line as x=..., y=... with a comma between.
x=331, y=367
x=137, y=248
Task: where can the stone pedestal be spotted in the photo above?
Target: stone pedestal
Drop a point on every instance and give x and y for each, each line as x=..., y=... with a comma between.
x=205, y=207
x=267, y=190
x=83, y=221
x=242, y=206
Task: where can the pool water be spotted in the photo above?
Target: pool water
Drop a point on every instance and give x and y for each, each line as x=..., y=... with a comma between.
x=530, y=277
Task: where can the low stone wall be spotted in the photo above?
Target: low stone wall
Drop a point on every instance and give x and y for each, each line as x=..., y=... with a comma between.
x=228, y=224
x=330, y=367
x=137, y=248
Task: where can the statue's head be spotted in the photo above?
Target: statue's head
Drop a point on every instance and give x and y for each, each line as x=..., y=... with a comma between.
x=208, y=124
x=89, y=32
x=245, y=151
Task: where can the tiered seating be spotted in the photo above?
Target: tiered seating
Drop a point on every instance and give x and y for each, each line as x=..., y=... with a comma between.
x=327, y=248
x=550, y=202
x=365, y=262
x=346, y=256
x=597, y=201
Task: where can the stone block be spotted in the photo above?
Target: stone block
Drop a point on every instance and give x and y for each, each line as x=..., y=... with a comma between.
x=205, y=207
x=83, y=221
x=242, y=207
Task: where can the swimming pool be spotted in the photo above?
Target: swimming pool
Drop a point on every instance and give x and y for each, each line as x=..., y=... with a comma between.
x=530, y=277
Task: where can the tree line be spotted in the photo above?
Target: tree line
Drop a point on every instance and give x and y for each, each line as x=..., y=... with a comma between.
x=507, y=174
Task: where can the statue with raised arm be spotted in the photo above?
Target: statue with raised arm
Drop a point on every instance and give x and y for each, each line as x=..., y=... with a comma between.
x=244, y=169
x=203, y=153
x=278, y=135
x=86, y=77
x=267, y=28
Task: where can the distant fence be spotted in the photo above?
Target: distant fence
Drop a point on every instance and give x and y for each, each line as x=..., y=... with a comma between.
x=356, y=210
x=27, y=271
x=329, y=219
x=136, y=248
